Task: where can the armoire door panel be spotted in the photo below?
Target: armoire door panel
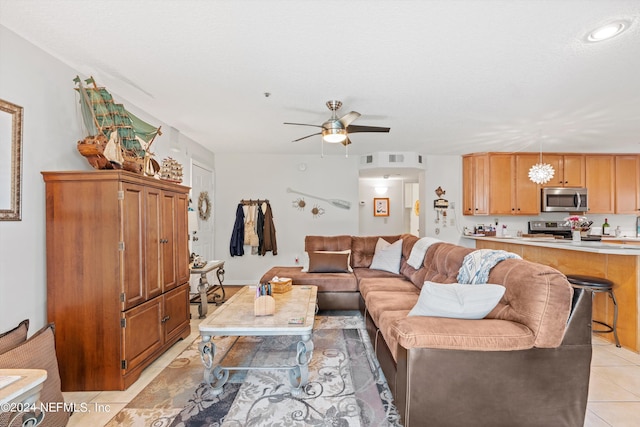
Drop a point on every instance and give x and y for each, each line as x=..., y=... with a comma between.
x=132, y=245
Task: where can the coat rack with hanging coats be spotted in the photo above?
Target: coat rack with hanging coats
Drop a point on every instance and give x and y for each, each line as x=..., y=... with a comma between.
x=265, y=228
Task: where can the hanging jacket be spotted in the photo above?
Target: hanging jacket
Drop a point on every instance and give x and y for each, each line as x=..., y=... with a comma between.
x=269, y=231
x=260, y=229
x=237, y=236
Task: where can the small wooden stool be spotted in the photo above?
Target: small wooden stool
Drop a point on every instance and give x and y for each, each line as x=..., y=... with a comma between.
x=598, y=284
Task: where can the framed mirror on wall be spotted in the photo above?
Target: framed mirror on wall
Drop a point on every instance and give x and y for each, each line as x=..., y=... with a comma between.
x=10, y=161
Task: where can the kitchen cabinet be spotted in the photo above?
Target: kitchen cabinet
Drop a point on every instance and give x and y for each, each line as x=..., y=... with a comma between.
x=511, y=192
x=600, y=181
x=117, y=274
x=475, y=182
x=627, y=184
x=569, y=170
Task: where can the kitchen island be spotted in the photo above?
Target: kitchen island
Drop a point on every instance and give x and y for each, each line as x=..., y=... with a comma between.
x=616, y=259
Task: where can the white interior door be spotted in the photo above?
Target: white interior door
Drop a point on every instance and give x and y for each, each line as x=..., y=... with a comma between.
x=202, y=242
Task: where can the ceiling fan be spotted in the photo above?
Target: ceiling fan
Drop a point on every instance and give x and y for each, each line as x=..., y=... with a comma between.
x=337, y=130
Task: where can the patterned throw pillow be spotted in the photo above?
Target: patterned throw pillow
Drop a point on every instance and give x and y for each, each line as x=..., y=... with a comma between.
x=39, y=352
x=14, y=337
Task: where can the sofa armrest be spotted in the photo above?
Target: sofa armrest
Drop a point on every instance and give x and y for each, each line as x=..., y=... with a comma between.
x=458, y=334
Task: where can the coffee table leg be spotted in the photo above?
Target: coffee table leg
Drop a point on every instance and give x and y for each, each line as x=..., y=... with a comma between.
x=215, y=376
x=299, y=374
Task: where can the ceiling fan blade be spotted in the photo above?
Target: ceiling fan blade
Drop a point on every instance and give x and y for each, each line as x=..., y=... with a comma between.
x=356, y=128
x=308, y=136
x=302, y=124
x=348, y=118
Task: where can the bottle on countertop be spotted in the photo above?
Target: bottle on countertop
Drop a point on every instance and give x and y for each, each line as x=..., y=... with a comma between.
x=606, y=228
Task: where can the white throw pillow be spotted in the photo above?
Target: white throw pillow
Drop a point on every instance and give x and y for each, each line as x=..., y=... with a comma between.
x=456, y=300
x=387, y=256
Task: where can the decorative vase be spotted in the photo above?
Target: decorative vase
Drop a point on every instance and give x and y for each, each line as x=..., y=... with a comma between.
x=575, y=235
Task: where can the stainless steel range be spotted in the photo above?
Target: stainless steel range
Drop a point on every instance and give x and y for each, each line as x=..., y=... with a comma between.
x=557, y=228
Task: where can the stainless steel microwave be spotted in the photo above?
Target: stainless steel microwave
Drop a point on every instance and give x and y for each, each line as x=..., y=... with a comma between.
x=564, y=199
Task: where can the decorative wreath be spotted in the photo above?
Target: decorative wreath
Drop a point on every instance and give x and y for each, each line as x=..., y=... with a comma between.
x=204, y=206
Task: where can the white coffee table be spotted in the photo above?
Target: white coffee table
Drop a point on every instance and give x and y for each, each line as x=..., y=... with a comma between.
x=236, y=318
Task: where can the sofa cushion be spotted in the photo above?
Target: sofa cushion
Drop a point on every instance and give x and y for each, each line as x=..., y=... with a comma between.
x=442, y=263
x=39, y=352
x=387, y=256
x=385, y=284
x=327, y=243
x=455, y=300
x=381, y=302
x=326, y=282
x=328, y=262
x=14, y=337
x=363, y=248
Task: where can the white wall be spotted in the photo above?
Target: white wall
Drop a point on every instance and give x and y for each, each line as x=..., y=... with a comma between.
x=261, y=176
x=371, y=225
x=43, y=86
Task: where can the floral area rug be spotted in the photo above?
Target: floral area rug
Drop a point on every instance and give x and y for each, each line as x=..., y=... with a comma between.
x=346, y=385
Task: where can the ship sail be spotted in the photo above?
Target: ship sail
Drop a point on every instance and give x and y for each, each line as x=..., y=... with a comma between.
x=127, y=136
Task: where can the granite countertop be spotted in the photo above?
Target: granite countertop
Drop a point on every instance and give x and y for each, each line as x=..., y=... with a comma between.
x=612, y=245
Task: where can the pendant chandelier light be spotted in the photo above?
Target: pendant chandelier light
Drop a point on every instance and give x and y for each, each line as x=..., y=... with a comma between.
x=541, y=173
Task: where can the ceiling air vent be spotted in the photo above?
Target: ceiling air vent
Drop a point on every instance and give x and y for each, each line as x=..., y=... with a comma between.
x=367, y=160
x=396, y=158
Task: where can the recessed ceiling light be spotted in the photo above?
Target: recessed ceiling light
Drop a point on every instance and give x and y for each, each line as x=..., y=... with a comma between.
x=607, y=31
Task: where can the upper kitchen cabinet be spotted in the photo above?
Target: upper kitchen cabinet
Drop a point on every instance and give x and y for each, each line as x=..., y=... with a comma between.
x=569, y=170
x=627, y=184
x=600, y=181
x=475, y=182
x=511, y=192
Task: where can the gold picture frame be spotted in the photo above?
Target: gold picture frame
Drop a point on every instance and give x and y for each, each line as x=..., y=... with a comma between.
x=381, y=206
x=10, y=161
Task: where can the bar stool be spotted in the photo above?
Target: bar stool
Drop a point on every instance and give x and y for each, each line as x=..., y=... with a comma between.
x=598, y=284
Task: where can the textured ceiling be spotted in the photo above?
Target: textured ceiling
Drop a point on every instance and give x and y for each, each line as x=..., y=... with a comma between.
x=448, y=77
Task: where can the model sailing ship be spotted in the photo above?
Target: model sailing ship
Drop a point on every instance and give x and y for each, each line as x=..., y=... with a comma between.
x=171, y=170
x=117, y=139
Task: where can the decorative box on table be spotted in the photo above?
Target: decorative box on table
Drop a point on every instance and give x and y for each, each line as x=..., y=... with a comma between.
x=281, y=285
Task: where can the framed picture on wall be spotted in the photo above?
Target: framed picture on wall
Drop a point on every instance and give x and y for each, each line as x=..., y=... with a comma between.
x=381, y=206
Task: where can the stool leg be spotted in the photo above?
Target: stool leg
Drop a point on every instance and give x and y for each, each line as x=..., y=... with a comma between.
x=615, y=318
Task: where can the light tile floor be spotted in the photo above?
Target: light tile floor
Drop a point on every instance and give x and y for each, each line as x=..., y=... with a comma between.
x=614, y=389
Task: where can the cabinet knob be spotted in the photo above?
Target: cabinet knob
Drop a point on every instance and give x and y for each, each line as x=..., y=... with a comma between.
x=165, y=319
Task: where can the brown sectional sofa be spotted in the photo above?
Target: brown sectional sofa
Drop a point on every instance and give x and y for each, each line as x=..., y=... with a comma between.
x=527, y=363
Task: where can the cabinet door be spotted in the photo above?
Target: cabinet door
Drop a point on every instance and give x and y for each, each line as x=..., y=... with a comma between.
x=176, y=311
x=181, y=239
x=481, y=185
x=501, y=184
x=153, y=247
x=467, y=185
x=627, y=197
x=167, y=240
x=527, y=192
x=556, y=161
x=141, y=333
x=573, y=171
x=599, y=179
x=132, y=249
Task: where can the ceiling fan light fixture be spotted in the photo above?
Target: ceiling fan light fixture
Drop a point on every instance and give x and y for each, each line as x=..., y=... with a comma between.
x=334, y=136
